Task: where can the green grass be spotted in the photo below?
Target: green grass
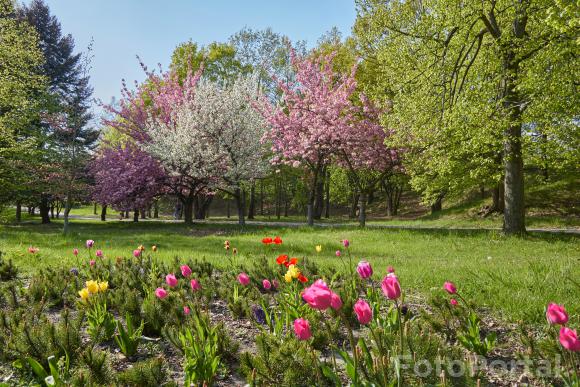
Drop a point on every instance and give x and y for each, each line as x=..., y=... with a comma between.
x=513, y=277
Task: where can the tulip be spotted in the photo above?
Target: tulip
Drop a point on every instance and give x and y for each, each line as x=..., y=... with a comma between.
x=185, y=270
x=450, y=287
x=234, y=251
x=92, y=262
x=99, y=253
x=337, y=253
x=266, y=284
x=195, y=285
x=390, y=269
x=75, y=252
x=363, y=312
x=364, y=269
x=259, y=314
x=90, y=243
x=556, y=314
x=103, y=286
x=243, y=279
x=84, y=293
x=186, y=310
x=335, y=301
x=569, y=339
x=161, y=293
x=302, y=329
x=275, y=283
x=318, y=296
x=141, y=247
x=282, y=259
x=391, y=287
x=92, y=286
x=267, y=241
x=453, y=302
x=302, y=278
x=32, y=250
x=154, y=248
x=74, y=271
x=318, y=248
x=171, y=280
x=277, y=240
x=346, y=243
x=136, y=253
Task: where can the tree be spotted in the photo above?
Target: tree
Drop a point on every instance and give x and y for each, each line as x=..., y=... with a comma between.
x=465, y=80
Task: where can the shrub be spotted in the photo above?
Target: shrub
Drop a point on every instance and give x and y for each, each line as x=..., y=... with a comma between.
x=147, y=373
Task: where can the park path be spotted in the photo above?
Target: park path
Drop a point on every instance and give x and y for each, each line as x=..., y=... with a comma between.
x=572, y=231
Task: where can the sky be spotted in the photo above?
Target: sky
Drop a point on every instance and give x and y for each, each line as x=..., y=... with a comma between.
x=122, y=29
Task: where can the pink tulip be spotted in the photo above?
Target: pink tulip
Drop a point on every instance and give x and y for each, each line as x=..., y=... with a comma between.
x=90, y=243
x=171, y=280
x=390, y=269
x=391, y=287
x=363, y=312
x=185, y=270
x=338, y=253
x=243, y=279
x=318, y=295
x=161, y=293
x=569, y=339
x=335, y=301
x=99, y=253
x=364, y=269
x=195, y=285
x=137, y=253
x=275, y=283
x=92, y=262
x=266, y=284
x=450, y=287
x=302, y=329
x=556, y=314
x=453, y=302
x=186, y=310
x=346, y=243
x=75, y=252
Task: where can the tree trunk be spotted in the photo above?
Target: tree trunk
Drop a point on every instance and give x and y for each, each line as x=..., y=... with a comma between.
x=156, y=209
x=201, y=205
x=143, y=213
x=103, y=212
x=228, y=215
x=18, y=212
x=136, y=215
x=44, y=208
x=67, y=207
x=149, y=214
x=497, y=198
x=354, y=205
x=437, y=205
x=362, y=212
x=95, y=208
x=262, y=197
x=252, y=207
x=319, y=197
x=187, y=206
x=127, y=214
x=327, y=196
x=240, y=196
x=52, y=212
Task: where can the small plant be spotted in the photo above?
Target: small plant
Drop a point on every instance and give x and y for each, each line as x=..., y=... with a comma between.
x=148, y=373
x=128, y=339
x=470, y=337
x=58, y=372
x=7, y=269
x=101, y=322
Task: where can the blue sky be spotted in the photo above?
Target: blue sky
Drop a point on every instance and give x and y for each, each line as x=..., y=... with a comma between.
x=122, y=29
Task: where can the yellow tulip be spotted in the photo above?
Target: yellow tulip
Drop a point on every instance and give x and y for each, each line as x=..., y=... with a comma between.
x=103, y=286
x=318, y=248
x=288, y=277
x=141, y=247
x=293, y=271
x=84, y=293
x=154, y=248
x=92, y=286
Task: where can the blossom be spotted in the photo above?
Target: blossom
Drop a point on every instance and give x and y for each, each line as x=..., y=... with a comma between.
x=453, y=302
x=141, y=247
x=569, y=339
x=185, y=270
x=243, y=279
x=99, y=253
x=267, y=241
x=266, y=284
x=195, y=285
x=74, y=271
x=136, y=253
x=103, y=286
x=364, y=269
x=84, y=293
x=75, y=252
x=293, y=271
x=556, y=314
x=335, y=301
x=318, y=248
x=92, y=286
x=302, y=278
x=345, y=243
x=33, y=250
x=89, y=243
x=275, y=283
x=302, y=329
x=234, y=251
x=154, y=248
x=363, y=312
x=92, y=262
x=450, y=287
x=390, y=269
x=259, y=314
x=277, y=240
x=318, y=295
x=391, y=287
x=338, y=254
x=161, y=293
x=186, y=310
x=282, y=259
x=171, y=280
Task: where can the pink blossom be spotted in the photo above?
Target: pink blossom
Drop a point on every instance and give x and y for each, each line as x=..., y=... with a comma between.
x=92, y=262
x=450, y=287
x=335, y=301
x=186, y=310
x=569, y=339
x=137, y=253
x=302, y=329
x=453, y=302
x=243, y=279
x=89, y=243
x=171, y=280
x=266, y=284
x=99, y=253
x=338, y=254
x=345, y=243
x=364, y=269
x=195, y=285
x=275, y=283
x=363, y=312
x=556, y=314
x=161, y=293
x=391, y=287
x=390, y=269
x=185, y=270
x=318, y=295
x=75, y=252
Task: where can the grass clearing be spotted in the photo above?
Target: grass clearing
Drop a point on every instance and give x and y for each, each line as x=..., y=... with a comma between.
x=514, y=277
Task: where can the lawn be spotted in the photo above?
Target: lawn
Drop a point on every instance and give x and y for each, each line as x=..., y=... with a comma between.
x=514, y=277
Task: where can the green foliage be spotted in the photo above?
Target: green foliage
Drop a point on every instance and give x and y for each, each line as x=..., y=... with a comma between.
x=8, y=271
x=95, y=368
x=471, y=337
x=128, y=339
x=101, y=322
x=147, y=373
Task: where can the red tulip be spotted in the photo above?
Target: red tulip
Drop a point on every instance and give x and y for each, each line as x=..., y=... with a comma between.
x=318, y=295
x=302, y=329
x=363, y=312
x=243, y=279
x=266, y=284
x=335, y=301
x=569, y=339
x=556, y=314
x=391, y=287
x=278, y=240
x=195, y=285
x=161, y=293
x=450, y=287
x=171, y=280
x=185, y=270
x=364, y=269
